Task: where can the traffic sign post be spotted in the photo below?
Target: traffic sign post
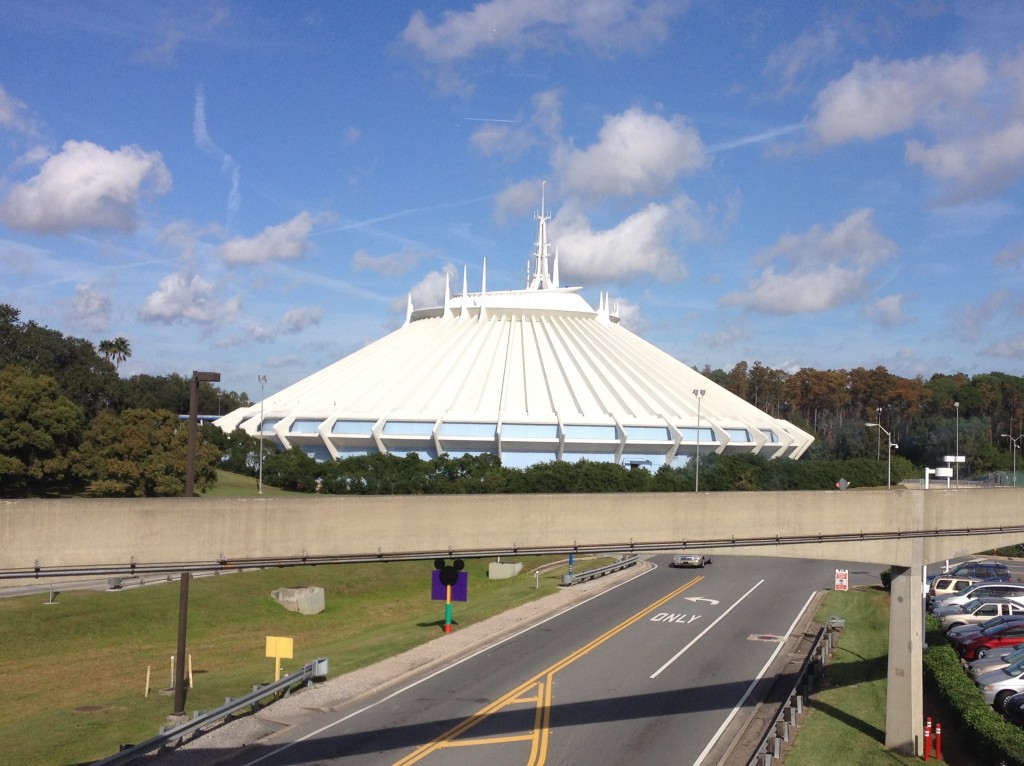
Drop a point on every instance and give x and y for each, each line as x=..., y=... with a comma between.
x=842, y=579
x=449, y=583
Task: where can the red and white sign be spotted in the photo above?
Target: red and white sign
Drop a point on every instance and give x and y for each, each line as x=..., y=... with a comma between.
x=842, y=579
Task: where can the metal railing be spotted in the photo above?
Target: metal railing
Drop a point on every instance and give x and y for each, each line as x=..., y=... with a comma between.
x=590, y=574
x=782, y=728
x=176, y=735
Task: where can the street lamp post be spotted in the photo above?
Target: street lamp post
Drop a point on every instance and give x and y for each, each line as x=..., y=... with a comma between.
x=263, y=381
x=699, y=393
x=1014, y=441
x=888, y=436
x=956, y=406
x=878, y=445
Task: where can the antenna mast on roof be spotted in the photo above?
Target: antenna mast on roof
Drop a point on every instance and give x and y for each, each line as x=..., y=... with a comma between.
x=541, y=277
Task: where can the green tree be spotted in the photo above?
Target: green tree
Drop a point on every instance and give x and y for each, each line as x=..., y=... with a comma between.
x=82, y=375
x=293, y=469
x=142, y=453
x=38, y=431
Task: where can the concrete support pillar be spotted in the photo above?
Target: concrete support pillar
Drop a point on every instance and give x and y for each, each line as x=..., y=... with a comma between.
x=904, y=708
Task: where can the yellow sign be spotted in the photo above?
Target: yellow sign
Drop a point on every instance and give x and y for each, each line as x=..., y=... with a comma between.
x=280, y=648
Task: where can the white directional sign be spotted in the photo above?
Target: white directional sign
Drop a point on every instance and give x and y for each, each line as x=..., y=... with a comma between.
x=701, y=598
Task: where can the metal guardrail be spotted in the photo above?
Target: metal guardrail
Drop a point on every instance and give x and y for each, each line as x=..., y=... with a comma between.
x=781, y=729
x=569, y=579
x=175, y=735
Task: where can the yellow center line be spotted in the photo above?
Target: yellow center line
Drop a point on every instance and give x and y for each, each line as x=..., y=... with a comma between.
x=540, y=688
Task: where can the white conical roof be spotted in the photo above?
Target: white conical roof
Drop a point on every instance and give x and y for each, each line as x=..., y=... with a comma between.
x=532, y=375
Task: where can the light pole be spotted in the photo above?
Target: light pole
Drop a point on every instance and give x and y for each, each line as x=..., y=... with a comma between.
x=1016, y=447
x=263, y=381
x=888, y=436
x=878, y=446
x=956, y=406
x=699, y=393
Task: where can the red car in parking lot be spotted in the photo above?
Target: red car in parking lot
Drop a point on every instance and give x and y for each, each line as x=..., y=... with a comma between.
x=976, y=646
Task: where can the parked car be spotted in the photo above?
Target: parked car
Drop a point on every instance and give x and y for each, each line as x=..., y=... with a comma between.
x=961, y=632
x=978, y=610
x=1009, y=590
x=981, y=570
x=1013, y=708
x=978, y=645
x=997, y=686
x=997, y=658
x=944, y=584
x=690, y=560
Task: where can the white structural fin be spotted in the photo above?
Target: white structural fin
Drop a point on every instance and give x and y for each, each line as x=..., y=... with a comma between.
x=447, y=314
x=483, y=293
x=554, y=271
x=464, y=311
x=408, y=310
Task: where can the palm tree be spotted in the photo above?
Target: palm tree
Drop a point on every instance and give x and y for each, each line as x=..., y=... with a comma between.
x=106, y=347
x=116, y=350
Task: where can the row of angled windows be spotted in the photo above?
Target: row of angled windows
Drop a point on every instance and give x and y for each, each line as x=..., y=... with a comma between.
x=517, y=431
x=510, y=459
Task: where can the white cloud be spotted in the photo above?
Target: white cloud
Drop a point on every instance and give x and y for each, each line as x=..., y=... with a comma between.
x=887, y=311
x=988, y=163
x=86, y=187
x=517, y=199
x=285, y=241
x=790, y=61
x=510, y=138
x=390, y=265
x=429, y=291
x=12, y=114
x=228, y=163
x=1012, y=256
x=641, y=244
x=1008, y=349
x=877, y=99
x=971, y=111
x=630, y=315
x=298, y=319
x=90, y=308
x=519, y=25
x=184, y=296
x=818, y=270
x=636, y=153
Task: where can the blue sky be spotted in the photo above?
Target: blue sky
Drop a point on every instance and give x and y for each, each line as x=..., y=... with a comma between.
x=256, y=187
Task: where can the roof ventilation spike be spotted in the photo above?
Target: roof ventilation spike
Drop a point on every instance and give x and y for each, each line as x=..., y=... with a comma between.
x=447, y=314
x=483, y=292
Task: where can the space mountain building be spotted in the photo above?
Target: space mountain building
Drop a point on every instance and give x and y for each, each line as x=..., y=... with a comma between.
x=531, y=375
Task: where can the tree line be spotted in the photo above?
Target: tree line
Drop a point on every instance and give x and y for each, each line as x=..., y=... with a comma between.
x=71, y=425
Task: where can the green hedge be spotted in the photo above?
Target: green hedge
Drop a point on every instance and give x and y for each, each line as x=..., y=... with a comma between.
x=992, y=736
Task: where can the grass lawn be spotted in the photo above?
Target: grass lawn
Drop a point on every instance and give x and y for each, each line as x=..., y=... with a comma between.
x=75, y=671
x=847, y=719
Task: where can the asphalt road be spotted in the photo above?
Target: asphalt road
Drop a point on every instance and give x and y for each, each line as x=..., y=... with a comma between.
x=653, y=670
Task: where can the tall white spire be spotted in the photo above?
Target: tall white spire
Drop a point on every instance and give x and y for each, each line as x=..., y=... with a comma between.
x=541, y=277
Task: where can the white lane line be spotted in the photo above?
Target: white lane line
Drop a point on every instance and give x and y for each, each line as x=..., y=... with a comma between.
x=703, y=632
x=739, y=705
x=438, y=672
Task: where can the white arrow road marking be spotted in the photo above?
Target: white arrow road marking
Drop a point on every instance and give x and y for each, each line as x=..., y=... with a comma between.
x=709, y=627
x=701, y=598
x=764, y=669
